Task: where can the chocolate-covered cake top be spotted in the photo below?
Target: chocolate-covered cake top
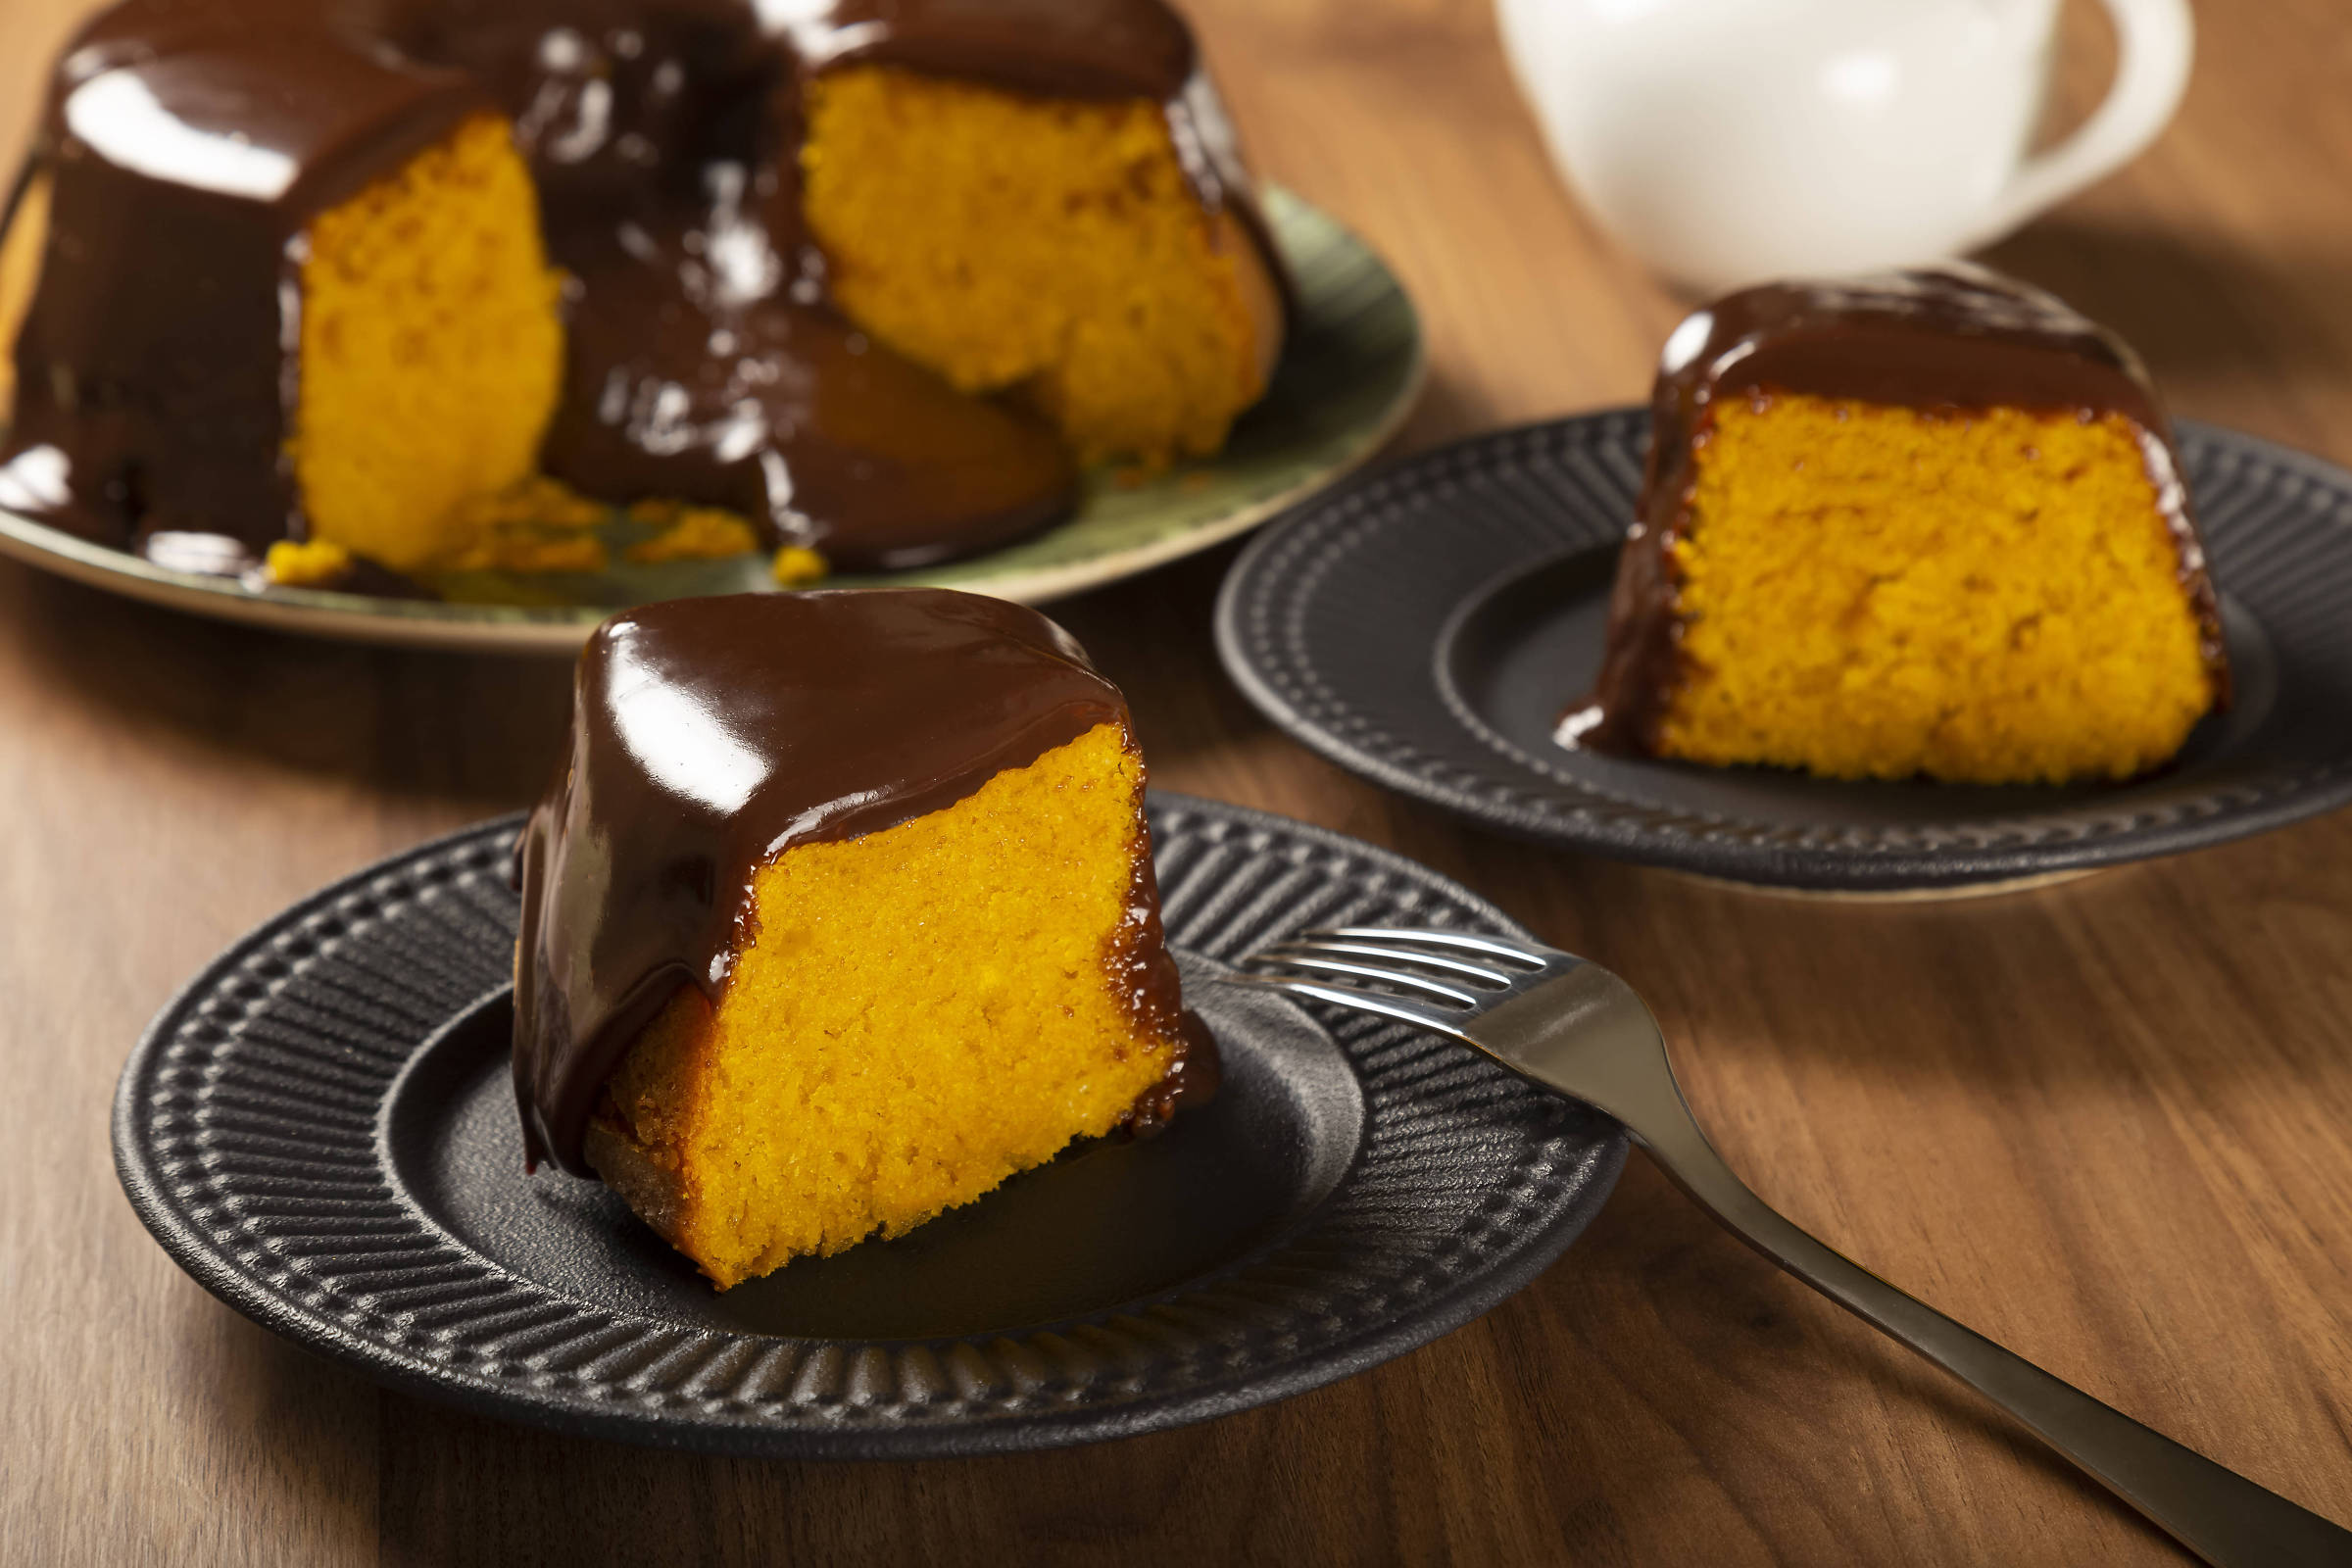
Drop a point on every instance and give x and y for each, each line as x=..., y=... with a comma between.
x=184, y=151
x=1952, y=337
x=708, y=736
x=253, y=103
x=187, y=141
x=1090, y=49
x=1955, y=336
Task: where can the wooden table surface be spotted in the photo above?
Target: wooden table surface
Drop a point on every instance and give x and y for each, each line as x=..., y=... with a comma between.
x=2105, y=1122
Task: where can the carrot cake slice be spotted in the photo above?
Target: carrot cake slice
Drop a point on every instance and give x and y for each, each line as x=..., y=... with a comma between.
x=841, y=912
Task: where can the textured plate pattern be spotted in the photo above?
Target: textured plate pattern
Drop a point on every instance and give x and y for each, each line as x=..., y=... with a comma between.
x=249, y=1134
x=1346, y=624
x=1348, y=377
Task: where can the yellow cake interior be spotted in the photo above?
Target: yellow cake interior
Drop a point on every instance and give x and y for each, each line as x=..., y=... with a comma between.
x=921, y=1012
x=20, y=273
x=1879, y=592
x=1053, y=247
x=431, y=351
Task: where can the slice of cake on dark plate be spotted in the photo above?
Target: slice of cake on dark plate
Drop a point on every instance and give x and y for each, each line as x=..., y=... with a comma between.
x=1925, y=524
x=840, y=913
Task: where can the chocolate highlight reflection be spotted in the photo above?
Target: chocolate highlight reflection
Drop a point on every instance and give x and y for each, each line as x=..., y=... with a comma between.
x=718, y=741
x=189, y=144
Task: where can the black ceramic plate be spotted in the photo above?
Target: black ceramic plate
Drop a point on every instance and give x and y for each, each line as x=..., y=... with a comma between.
x=320, y=1130
x=1424, y=627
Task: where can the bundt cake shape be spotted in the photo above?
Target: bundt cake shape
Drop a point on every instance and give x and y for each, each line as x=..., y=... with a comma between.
x=1926, y=523
x=868, y=278
x=840, y=913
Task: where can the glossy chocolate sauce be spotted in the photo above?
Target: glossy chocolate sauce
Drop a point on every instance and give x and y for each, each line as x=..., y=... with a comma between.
x=184, y=155
x=710, y=735
x=705, y=364
x=1954, y=338
x=801, y=422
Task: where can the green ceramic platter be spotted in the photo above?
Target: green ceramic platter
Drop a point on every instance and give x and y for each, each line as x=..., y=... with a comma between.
x=1348, y=376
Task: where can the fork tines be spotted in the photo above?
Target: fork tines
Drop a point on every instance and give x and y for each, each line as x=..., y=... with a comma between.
x=1399, y=961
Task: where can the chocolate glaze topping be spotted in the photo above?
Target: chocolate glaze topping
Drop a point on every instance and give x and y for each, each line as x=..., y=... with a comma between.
x=800, y=423
x=185, y=154
x=705, y=364
x=710, y=735
x=1952, y=338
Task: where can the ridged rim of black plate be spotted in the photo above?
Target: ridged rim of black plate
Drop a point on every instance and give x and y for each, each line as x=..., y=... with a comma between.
x=1417, y=542
x=247, y=1135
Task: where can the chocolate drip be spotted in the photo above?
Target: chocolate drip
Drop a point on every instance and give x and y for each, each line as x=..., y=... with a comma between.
x=705, y=364
x=681, y=385
x=708, y=736
x=1954, y=338
x=186, y=152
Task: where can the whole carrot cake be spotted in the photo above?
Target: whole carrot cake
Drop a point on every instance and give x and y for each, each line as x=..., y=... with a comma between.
x=402, y=282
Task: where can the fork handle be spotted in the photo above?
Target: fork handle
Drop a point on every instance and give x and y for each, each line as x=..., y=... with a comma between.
x=2212, y=1510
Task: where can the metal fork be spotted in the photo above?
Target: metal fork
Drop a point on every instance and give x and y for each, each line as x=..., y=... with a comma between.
x=1574, y=1027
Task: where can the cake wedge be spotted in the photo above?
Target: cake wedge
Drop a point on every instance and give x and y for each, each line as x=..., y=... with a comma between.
x=1921, y=525
x=840, y=913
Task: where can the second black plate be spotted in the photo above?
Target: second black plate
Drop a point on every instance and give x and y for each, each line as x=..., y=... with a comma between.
x=1424, y=628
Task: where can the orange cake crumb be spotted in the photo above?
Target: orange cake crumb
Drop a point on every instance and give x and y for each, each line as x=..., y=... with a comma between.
x=689, y=532
x=431, y=353
x=1877, y=591
x=1053, y=247
x=305, y=565
x=923, y=1012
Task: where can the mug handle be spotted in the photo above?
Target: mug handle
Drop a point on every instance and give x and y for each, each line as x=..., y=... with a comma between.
x=2155, y=41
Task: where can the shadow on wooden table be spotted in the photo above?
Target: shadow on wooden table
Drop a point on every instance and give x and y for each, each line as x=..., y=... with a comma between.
x=303, y=1429
x=2191, y=304
x=490, y=726
x=1430, y=1458
x=413, y=723
x=2026, y=986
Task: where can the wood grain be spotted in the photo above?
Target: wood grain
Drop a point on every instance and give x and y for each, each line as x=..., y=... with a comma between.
x=2104, y=1123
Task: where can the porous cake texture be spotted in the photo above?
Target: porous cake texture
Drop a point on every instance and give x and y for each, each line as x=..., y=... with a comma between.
x=432, y=351
x=175, y=181
x=1928, y=524
x=1057, y=248
x=19, y=269
x=1877, y=592
x=922, y=1013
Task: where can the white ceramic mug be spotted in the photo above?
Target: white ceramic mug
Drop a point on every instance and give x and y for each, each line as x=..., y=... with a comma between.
x=1728, y=141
